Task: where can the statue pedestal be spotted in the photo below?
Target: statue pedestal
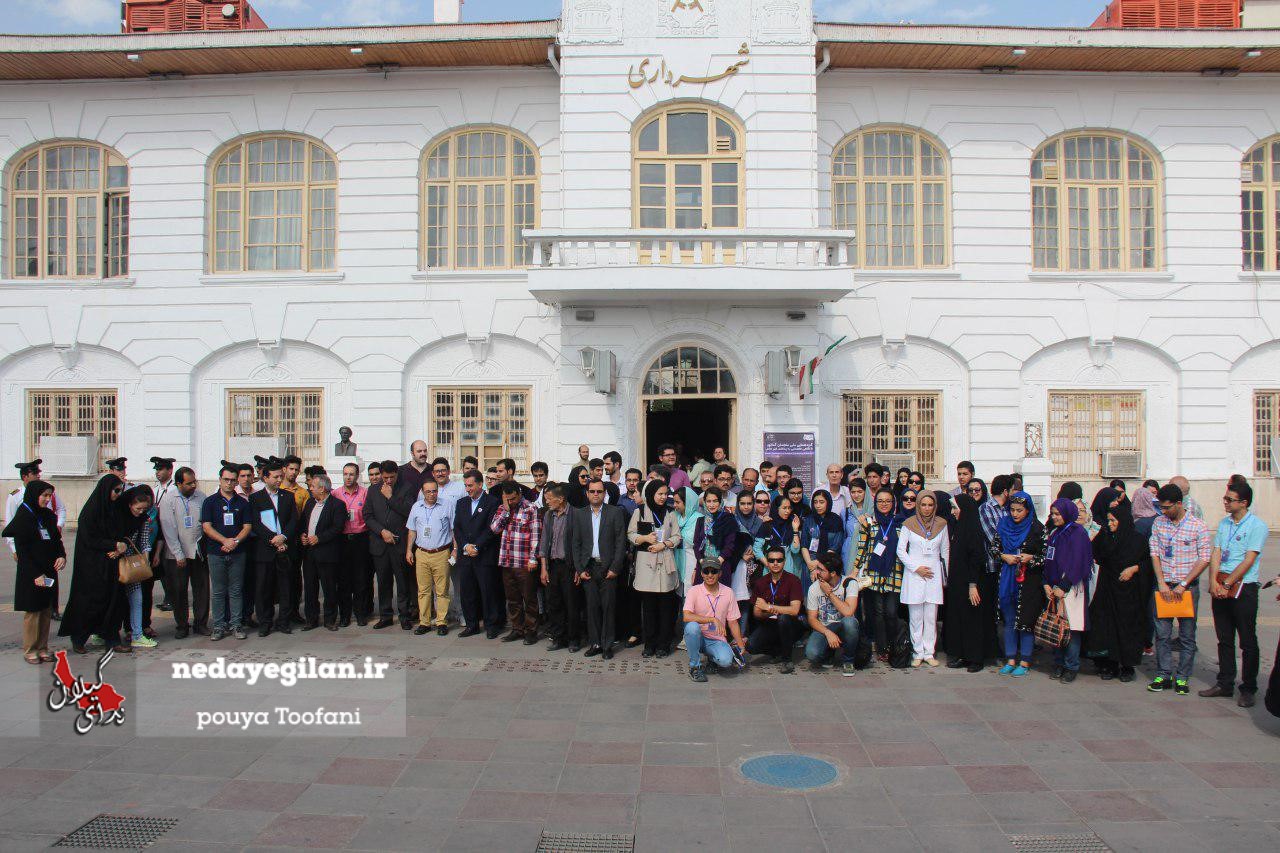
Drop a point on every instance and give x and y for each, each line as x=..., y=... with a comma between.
x=1037, y=481
x=335, y=465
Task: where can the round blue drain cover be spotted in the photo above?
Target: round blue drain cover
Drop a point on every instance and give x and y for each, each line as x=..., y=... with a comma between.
x=789, y=770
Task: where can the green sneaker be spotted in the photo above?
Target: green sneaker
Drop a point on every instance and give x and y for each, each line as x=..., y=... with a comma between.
x=144, y=642
x=1181, y=687
x=1161, y=683
x=94, y=642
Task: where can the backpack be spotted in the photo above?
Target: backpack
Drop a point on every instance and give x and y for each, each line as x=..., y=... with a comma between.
x=901, y=652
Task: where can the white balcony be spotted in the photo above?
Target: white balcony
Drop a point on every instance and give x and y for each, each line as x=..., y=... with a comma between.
x=754, y=266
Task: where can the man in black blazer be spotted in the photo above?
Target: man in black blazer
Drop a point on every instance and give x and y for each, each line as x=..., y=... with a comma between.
x=323, y=519
x=386, y=511
x=598, y=549
x=274, y=519
x=475, y=551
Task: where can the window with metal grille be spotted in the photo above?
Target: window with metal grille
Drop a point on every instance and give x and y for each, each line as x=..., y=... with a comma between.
x=487, y=423
x=688, y=370
x=479, y=196
x=1266, y=429
x=293, y=414
x=881, y=422
x=1096, y=204
x=1082, y=424
x=275, y=206
x=74, y=412
x=890, y=185
x=1260, y=207
x=69, y=212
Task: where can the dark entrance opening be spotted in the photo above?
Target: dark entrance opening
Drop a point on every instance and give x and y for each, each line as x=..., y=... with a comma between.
x=694, y=424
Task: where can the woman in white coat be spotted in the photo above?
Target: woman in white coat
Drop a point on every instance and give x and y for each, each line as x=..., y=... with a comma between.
x=924, y=549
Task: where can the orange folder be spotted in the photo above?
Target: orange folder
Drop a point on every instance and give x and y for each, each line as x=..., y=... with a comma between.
x=1180, y=609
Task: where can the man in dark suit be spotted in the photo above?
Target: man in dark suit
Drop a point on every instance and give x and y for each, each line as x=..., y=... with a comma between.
x=475, y=550
x=274, y=518
x=323, y=519
x=598, y=549
x=386, y=511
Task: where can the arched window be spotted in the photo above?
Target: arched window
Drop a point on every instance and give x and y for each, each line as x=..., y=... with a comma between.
x=1095, y=204
x=688, y=169
x=479, y=195
x=688, y=370
x=69, y=212
x=891, y=185
x=1260, y=206
x=275, y=206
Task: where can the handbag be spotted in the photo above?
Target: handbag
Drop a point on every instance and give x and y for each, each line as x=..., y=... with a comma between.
x=134, y=567
x=1052, y=628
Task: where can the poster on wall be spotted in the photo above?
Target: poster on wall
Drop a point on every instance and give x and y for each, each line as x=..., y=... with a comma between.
x=797, y=449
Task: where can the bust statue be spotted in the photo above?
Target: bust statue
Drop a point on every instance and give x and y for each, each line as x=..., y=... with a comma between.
x=345, y=447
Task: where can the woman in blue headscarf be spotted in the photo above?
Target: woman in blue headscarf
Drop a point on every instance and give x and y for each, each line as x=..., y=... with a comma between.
x=1019, y=546
x=689, y=515
x=783, y=530
x=1068, y=570
x=821, y=532
x=878, y=559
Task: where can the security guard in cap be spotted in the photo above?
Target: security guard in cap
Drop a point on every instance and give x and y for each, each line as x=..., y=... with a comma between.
x=163, y=487
x=117, y=466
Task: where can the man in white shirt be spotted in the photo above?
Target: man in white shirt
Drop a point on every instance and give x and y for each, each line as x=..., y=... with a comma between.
x=160, y=488
x=184, y=565
x=430, y=539
x=840, y=500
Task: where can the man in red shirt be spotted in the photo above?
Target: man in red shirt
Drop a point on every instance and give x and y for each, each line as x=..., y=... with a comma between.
x=357, y=564
x=519, y=524
x=775, y=611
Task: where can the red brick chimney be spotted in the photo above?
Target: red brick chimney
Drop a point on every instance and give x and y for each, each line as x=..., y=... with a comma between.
x=175, y=16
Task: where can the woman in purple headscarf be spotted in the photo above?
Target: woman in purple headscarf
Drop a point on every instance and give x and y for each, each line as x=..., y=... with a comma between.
x=1068, y=571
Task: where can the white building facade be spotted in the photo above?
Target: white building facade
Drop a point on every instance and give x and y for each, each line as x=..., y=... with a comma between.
x=494, y=254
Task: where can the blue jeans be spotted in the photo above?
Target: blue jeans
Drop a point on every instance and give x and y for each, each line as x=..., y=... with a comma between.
x=1186, y=641
x=718, y=651
x=1068, y=656
x=1017, y=644
x=226, y=578
x=134, y=594
x=816, y=649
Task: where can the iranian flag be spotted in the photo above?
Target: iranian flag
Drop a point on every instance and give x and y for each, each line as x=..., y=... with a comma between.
x=808, y=372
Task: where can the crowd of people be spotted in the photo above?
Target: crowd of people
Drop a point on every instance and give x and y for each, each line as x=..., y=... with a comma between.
x=726, y=565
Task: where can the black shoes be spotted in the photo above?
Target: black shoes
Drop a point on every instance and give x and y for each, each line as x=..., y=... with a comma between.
x=974, y=667
x=557, y=645
x=955, y=663
x=406, y=624
x=469, y=632
x=530, y=639
x=420, y=630
x=164, y=606
x=332, y=626
x=1056, y=672
x=592, y=652
x=384, y=622
x=263, y=632
x=311, y=626
x=512, y=637
x=1246, y=700
x=1215, y=691
x=492, y=635
x=181, y=633
x=607, y=654
x=442, y=631
x=1068, y=676
x=697, y=674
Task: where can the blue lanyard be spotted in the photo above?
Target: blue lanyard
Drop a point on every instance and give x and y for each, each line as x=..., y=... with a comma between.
x=1235, y=528
x=773, y=593
x=884, y=534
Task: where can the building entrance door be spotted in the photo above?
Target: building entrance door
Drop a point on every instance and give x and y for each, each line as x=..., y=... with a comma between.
x=688, y=399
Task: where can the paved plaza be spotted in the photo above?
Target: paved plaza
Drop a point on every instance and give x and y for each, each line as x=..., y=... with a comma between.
x=504, y=742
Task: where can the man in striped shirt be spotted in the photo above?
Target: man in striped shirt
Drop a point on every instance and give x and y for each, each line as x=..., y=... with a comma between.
x=518, y=523
x=1180, y=549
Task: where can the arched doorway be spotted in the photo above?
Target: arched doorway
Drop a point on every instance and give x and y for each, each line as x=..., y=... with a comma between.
x=687, y=398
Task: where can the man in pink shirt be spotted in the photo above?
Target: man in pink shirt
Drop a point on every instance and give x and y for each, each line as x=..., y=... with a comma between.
x=708, y=609
x=357, y=563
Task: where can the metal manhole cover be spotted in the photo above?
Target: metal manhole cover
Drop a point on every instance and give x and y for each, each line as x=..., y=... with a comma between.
x=118, y=832
x=585, y=842
x=790, y=770
x=1084, y=842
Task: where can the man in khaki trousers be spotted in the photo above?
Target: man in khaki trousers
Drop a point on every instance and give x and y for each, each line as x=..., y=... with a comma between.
x=427, y=549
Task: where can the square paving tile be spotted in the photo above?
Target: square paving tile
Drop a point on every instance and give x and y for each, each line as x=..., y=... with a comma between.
x=676, y=779
x=996, y=778
x=248, y=795
x=1108, y=806
x=585, y=752
x=307, y=830
x=904, y=754
x=379, y=772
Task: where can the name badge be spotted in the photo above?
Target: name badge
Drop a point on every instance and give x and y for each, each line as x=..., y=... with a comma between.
x=228, y=519
x=658, y=533
x=813, y=544
x=1168, y=552
x=1048, y=552
x=186, y=522
x=426, y=532
x=44, y=534
x=879, y=551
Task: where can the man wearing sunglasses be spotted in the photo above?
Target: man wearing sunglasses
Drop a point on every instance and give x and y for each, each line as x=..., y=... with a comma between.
x=709, y=610
x=775, y=611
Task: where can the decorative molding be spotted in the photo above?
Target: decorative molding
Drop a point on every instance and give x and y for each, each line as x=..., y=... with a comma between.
x=1033, y=440
x=303, y=278
x=272, y=373
x=894, y=350
x=781, y=22
x=69, y=354
x=272, y=351
x=1100, y=351
x=688, y=18
x=592, y=22
x=480, y=347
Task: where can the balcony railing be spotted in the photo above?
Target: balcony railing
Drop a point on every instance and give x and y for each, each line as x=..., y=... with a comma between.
x=795, y=248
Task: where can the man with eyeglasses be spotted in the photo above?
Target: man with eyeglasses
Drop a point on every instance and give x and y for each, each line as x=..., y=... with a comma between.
x=709, y=611
x=1233, y=582
x=1181, y=547
x=775, y=611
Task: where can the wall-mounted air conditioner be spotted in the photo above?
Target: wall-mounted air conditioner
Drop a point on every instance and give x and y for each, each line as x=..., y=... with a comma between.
x=244, y=448
x=69, y=455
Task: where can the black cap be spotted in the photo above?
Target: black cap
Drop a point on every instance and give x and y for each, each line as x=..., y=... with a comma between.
x=116, y=464
x=25, y=468
x=226, y=464
x=259, y=461
x=161, y=462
